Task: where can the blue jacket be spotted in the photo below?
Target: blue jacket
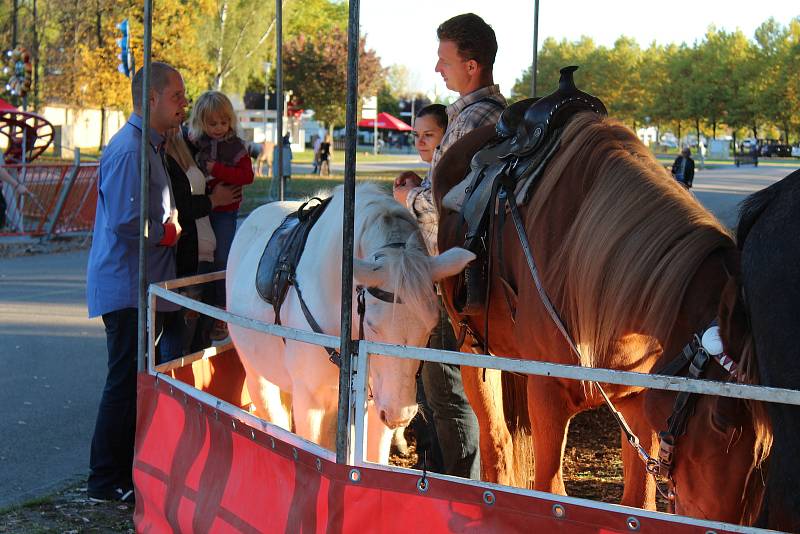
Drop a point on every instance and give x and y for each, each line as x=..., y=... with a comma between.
x=113, y=270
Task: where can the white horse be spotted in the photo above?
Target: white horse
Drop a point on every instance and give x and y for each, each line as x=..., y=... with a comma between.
x=279, y=373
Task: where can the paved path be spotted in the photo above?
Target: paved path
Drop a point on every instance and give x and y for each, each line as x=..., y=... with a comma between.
x=52, y=359
x=52, y=368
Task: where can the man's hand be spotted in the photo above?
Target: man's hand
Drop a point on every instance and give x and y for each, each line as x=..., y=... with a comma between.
x=408, y=177
x=224, y=194
x=210, y=166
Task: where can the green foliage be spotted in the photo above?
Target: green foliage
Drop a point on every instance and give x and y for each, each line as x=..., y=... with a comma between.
x=722, y=81
x=316, y=70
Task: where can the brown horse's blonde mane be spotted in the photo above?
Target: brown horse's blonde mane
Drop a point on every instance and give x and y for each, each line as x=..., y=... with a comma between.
x=633, y=245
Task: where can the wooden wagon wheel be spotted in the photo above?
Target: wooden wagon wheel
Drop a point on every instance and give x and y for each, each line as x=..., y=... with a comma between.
x=25, y=131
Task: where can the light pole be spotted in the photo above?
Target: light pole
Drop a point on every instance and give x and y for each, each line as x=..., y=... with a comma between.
x=267, y=68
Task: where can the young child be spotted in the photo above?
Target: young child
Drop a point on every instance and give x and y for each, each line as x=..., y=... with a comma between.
x=223, y=156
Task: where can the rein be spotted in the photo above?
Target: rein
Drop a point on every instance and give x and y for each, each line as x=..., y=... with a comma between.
x=702, y=348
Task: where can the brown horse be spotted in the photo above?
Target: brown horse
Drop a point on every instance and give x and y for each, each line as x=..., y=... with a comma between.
x=635, y=266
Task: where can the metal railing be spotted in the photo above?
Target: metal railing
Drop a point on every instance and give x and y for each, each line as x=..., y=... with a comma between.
x=60, y=200
x=357, y=420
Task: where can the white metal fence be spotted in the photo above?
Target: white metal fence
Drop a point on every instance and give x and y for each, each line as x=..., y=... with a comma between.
x=358, y=404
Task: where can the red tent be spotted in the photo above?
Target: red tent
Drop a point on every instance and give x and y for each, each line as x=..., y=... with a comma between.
x=5, y=106
x=386, y=122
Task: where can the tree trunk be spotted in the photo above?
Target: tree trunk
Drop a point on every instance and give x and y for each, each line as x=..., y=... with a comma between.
x=713, y=129
x=35, y=58
x=103, y=114
x=223, y=15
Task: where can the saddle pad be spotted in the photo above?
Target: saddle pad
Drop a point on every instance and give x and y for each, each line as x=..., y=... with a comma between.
x=278, y=263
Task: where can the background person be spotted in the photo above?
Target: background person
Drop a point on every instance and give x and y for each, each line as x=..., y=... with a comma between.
x=9, y=209
x=113, y=270
x=223, y=156
x=683, y=168
x=467, y=50
x=275, y=192
x=325, y=156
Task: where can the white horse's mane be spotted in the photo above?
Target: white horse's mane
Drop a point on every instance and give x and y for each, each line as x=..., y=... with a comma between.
x=380, y=220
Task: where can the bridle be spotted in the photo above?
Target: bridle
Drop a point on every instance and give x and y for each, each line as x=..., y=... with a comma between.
x=334, y=355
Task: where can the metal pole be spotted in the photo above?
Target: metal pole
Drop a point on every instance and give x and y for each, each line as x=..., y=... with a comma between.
x=267, y=68
x=348, y=218
x=375, y=134
x=62, y=197
x=279, y=89
x=144, y=190
x=535, y=63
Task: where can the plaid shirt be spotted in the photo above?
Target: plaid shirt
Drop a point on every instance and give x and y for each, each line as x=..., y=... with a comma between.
x=476, y=109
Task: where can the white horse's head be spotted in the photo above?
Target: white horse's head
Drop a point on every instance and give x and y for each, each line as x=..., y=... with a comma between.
x=403, y=307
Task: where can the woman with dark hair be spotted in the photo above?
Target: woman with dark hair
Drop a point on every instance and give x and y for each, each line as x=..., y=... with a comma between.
x=429, y=127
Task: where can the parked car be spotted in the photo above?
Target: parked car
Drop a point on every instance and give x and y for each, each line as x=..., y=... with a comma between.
x=796, y=151
x=772, y=147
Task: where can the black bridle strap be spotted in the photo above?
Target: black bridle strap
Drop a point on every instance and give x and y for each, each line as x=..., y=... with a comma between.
x=632, y=438
x=334, y=355
x=385, y=296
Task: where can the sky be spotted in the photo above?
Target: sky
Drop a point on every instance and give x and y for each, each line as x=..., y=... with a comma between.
x=404, y=32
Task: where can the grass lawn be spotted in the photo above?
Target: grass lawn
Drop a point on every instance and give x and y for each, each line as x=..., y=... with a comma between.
x=307, y=156
x=305, y=185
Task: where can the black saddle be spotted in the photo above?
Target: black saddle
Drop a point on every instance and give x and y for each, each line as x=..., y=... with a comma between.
x=528, y=136
x=278, y=264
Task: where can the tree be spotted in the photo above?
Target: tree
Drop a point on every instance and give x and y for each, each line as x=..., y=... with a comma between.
x=316, y=70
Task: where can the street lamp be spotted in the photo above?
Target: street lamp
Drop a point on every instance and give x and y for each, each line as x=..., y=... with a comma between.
x=267, y=68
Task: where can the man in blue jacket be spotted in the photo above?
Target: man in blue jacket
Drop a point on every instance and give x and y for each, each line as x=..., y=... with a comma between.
x=113, y=270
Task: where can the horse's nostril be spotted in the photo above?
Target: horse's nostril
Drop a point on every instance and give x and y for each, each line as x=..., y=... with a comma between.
x=383, y=416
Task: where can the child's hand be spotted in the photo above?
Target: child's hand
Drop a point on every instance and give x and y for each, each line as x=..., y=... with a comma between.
x=210, y=165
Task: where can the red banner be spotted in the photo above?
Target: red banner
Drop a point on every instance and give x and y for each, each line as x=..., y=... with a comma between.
x=200, y=470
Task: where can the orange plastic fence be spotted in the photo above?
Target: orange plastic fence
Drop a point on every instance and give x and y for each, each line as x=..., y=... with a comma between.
x=30, y=214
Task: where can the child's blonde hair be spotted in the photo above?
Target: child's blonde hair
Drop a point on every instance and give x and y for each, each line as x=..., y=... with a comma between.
x=208, y=103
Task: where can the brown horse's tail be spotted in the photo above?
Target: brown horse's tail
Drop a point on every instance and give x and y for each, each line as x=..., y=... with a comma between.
x=515, y=407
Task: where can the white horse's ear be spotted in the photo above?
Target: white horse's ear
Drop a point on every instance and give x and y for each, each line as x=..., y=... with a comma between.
x=450, y=262
x=369, y=273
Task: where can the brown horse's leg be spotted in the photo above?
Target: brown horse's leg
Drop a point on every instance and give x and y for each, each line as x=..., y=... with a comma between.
x=486, y=398
x=550, y=410
x=640, y=488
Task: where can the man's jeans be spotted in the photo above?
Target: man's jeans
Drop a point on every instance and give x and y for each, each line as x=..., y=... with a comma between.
x=456, y=424
x=111, y=460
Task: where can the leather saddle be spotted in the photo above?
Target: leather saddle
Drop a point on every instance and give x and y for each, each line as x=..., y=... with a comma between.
x=278, y=264
x=527, y=137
